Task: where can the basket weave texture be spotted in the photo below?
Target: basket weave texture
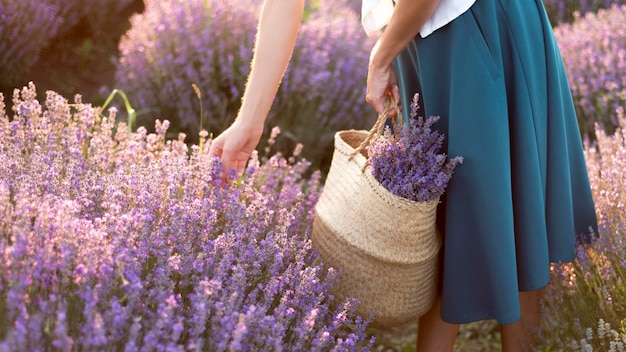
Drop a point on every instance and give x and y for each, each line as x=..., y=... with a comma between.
x=384, y=246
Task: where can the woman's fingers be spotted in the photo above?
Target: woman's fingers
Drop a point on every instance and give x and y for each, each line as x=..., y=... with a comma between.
x=234, y=147
x=234, y=159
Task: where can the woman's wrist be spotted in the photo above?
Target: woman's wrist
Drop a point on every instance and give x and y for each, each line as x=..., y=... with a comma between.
x=250, y=121
x=405, y=23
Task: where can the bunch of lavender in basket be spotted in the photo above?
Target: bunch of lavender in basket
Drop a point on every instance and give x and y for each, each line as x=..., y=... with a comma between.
x=408, y=162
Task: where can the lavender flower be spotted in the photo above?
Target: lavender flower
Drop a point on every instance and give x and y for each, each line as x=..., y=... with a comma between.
x=408, y=163
x=131, y=242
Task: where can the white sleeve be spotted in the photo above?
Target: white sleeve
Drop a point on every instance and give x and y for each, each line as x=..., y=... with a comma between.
x=375, y=15
x=446, y=12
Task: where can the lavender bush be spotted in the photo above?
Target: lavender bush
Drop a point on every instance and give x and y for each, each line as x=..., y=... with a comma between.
x=594, y=51
x=111, y=240
x=560, y=11
x=27, y=27
x=585, y=305
x=408, y=162
x=175, y=44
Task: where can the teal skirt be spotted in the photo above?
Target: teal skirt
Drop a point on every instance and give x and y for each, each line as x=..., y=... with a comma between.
x=521, y=198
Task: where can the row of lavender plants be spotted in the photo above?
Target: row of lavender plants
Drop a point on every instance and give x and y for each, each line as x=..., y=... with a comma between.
x=565, y=11
x=175, y=44
x=594, y=51
x=28, y=27
x=120, y=240
x=585, y=306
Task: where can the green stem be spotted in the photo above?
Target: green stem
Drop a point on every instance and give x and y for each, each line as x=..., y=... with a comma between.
x=129, y=109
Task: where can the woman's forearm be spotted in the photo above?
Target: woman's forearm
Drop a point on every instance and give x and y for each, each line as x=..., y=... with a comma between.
x=408, y=18
x=277, y=31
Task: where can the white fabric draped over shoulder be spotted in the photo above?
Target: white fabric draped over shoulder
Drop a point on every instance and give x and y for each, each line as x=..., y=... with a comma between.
x=375, y=15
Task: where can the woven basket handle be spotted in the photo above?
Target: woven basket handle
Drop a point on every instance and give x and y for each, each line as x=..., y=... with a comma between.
x=379, y=127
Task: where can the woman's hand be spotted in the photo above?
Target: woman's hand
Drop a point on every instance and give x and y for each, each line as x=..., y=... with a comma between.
x=405, y=23
x=235, y=144
x=381, y=82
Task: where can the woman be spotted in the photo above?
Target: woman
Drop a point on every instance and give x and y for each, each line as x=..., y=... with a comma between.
x=493, y=73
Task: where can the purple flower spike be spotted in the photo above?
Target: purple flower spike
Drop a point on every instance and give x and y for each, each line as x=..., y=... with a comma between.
x=408, y=163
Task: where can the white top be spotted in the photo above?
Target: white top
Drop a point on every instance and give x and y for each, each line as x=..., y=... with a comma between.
x=375, y=15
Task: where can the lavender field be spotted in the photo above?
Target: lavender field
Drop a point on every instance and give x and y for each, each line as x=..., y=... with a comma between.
x=118, y=234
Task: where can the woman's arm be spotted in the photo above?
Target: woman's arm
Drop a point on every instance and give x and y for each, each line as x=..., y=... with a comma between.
x=408, y=18
x=276, y=35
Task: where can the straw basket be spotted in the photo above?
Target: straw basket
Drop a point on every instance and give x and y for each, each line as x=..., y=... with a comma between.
x=385, y=247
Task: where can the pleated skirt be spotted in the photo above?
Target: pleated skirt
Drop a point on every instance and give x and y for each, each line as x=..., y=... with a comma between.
x=522, y=197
